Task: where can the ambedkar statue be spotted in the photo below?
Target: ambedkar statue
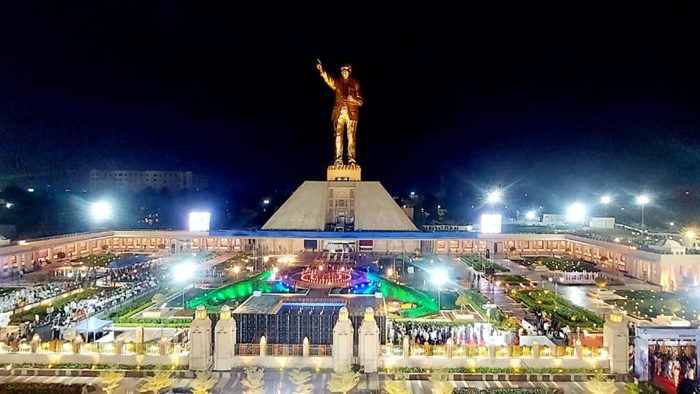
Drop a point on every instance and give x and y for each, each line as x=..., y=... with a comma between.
x=348, y=100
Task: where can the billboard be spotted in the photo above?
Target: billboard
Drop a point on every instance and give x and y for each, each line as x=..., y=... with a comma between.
x=491, y=223
x=199, y=221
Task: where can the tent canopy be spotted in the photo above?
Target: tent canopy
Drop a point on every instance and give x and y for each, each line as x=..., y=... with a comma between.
x=92, y=324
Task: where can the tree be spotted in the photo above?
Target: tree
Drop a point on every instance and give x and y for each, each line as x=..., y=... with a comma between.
x=157, y=382
x=600, y=384
x=397, y=386
x=343, y=381
x=254, y=380
x=601, y=282
x=440, y=385
x=462, y=301
x=301, y=381
x=110, y=380
x=203, y=383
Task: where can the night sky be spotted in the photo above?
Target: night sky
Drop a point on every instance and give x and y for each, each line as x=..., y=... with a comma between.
x=553, y=102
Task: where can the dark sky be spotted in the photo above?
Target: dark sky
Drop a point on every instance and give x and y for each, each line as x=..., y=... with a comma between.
x=571, y=100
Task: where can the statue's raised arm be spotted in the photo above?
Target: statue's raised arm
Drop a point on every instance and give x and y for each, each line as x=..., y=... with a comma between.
x=329, y=80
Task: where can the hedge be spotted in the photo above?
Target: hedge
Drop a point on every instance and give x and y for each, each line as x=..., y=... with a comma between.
x=41, y=388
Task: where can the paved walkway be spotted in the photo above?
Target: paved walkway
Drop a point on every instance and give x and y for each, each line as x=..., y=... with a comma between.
x=276, y=383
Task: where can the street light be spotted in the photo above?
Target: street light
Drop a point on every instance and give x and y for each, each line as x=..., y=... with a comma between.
x=642, y=200
x=605, y=199
x=530, y=215
x=439, y=278
x=182, y=273
x=555, y=291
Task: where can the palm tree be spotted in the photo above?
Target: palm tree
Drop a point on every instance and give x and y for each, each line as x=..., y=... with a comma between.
x=301, y=381
x=600, y=384
x=397, y=386
x=203, y=383
x=343, y=381
x=110, y=380
x=462, y=301
x=254, y=380
x=157, y=382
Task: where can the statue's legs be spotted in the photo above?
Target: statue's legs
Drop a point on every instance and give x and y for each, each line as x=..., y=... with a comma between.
x=352, y=127
x=339, y=128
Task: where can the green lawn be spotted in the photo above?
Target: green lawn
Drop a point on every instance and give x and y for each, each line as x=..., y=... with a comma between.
x=646, y=304
x=565, y=312
x=480, y=264
x=101, y=260
x=558, y=264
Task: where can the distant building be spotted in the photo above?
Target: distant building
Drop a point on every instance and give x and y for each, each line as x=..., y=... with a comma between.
x=127, y=180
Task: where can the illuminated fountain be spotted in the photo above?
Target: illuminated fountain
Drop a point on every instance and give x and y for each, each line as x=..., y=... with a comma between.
x=323, y=277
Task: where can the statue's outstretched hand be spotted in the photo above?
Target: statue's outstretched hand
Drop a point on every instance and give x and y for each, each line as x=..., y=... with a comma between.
x=319, y=67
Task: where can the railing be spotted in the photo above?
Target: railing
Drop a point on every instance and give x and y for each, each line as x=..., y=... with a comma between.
x=162, y=348
x=253, y=349
x=511, y=351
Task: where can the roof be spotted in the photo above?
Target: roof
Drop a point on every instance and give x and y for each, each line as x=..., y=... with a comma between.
x=305, y=209
x=370, y=235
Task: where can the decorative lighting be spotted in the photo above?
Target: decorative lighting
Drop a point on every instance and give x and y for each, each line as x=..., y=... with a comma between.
x=576, y=213
x=494, y=196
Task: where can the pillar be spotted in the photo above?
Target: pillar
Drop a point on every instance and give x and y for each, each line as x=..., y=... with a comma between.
x=200, y=345
x=342, y=341
x=449, y=347
x=306, y=348
x=616, y=339
x=369, y=342
x=535, y=350
x=406, y=346
x=263, y=346
x=224, y=340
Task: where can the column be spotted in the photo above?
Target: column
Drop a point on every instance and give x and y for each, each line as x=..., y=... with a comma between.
x=200, y=345
x=224, y=340
x=616, y=339
x=342, y=341
x=369, y=342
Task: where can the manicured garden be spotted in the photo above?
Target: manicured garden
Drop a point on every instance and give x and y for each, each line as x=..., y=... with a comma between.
x=476, y=301
x=565, y=312
x=481, y=264
x=237, y=291
x=558, y=264
x=511, y=280
x=646, y=304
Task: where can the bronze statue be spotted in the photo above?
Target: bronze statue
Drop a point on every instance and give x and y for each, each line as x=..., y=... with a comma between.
x=348, y=100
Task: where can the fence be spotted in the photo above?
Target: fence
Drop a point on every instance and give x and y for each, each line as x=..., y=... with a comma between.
x=511, y=351
x=162, y=348
x=253, y=349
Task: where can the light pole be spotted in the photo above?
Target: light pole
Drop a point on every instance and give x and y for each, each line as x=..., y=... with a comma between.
x=642, y=200
x=605, y=199
x=439, y=277
x=182, y=273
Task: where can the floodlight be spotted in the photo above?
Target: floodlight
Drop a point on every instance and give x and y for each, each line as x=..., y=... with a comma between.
x=690, y=234
x=605, y=199
x=642, y=199
x=494, y=197
x=576, y=213
x=184, y=271
x=439, y=276
x=530, y=215
x=101, y=211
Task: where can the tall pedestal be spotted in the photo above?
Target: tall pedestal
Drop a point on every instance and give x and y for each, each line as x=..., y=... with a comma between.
x=224, y=340
x=200, y=343
x=616, y=339
x=369, y=342
x=342, y=342
x=343, y=172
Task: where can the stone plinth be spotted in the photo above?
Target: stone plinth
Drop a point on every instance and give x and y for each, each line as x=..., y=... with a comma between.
x=368, y=347
x=616, y=339
x=224, y=340
x=200, y=346
x=343, y=172
x=342, y=342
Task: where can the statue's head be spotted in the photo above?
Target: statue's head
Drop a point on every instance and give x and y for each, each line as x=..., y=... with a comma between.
x=345, y=70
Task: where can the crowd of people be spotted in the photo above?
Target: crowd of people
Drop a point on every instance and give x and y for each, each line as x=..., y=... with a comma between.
x=438, y=334
x=27, y=296
x=133, y=273
x=672, y=362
